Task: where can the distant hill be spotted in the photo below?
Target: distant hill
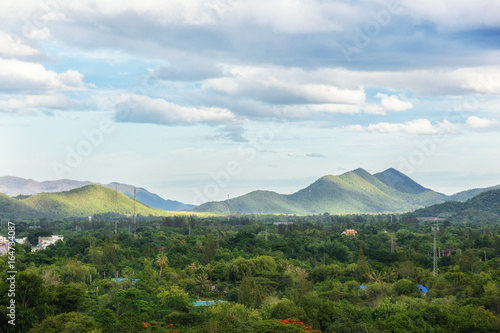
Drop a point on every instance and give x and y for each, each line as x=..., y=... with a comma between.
x=11, y=208
x=86, y=201
x=484, y=206
x=149, y=198
x=353, y=192
x=14, y=186
x=466, y=195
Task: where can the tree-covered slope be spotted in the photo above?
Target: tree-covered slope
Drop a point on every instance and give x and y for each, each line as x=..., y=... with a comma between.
x=13, y=186
x=485, y=206
x=11, y=208
x=148, y=198
x=86, y=201
x=466, y=195
x=353, y=192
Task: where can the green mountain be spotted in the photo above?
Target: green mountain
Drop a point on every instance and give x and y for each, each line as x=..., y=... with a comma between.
x=352, y=192
x=484, y=206
x=466, y=195
x=11, y=208
x=13, y=186
x=86, y=201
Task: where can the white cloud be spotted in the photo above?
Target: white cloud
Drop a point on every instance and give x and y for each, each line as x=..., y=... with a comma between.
x=36, y=101
x=25, y=76
x=299, y=16
x=14, y=47
x=455, y=14
x=437, y=82
x=283, y=86
x=43, y=33
x=144, y=109
x=418, y=126
x=393, y=103
x=477, y=123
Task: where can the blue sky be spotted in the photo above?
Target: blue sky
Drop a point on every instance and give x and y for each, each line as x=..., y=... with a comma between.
x=195, y=100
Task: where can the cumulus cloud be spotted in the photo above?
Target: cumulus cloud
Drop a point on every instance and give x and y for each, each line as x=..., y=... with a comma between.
x=483, y=124
x=144, y=109
x=393, y=103
x=26, y=76
x=282, y=86
x=57, y=101
x=43, y=33
x=455, y=15
x=418, y=126
x=14, y=47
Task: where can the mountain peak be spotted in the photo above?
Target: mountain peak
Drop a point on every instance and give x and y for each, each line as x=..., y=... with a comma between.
x=399, y=181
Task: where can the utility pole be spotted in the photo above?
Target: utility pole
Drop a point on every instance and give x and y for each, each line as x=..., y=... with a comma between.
x=116, y=214
x=435, y=263
x=266, y=233
x=392, y=243
x=135, y=216
x=228, y=213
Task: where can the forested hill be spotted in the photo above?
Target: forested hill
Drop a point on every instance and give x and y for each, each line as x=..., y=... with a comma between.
x=485, y=206
x=11, y=208
x=80, y=202
x=14, y=186
x=352, y=192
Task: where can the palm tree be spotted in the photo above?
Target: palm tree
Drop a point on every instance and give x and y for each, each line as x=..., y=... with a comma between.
x=161, y=261
x=201, y=281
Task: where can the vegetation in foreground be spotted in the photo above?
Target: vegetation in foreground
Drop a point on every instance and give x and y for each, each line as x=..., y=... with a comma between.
x=304, y=277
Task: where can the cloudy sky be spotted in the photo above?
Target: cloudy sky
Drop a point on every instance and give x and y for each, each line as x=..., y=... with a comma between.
x=196, y=99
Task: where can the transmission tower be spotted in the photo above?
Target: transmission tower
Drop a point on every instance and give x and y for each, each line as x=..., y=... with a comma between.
x=116, y=214
x=392, y=243
x=435, y=263
x=135, y=216
x=228, y=213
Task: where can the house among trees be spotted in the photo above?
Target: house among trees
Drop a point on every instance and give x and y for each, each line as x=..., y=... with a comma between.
x=350, y=232
x=282, y=223
x=43, y=242
x=447, y=252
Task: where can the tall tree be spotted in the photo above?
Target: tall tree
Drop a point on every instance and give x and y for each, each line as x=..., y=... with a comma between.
x=161, y=261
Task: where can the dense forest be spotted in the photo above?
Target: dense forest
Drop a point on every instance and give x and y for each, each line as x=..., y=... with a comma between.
x=250, y=274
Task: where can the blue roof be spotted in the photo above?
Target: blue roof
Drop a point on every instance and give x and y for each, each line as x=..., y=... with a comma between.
x=363, y=287
x=120, y=280
x=422, y=288
x=207, y=303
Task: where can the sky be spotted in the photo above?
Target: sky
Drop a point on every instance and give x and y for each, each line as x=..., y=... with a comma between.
x=196, y=100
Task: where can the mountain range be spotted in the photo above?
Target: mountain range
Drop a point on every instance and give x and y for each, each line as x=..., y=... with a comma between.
x=353, y=192
x=14, y=186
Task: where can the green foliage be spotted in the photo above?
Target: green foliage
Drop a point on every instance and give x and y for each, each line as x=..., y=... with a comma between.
x=175, y=298
x=484, y=206
x=305, y=271
x=72, y=322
